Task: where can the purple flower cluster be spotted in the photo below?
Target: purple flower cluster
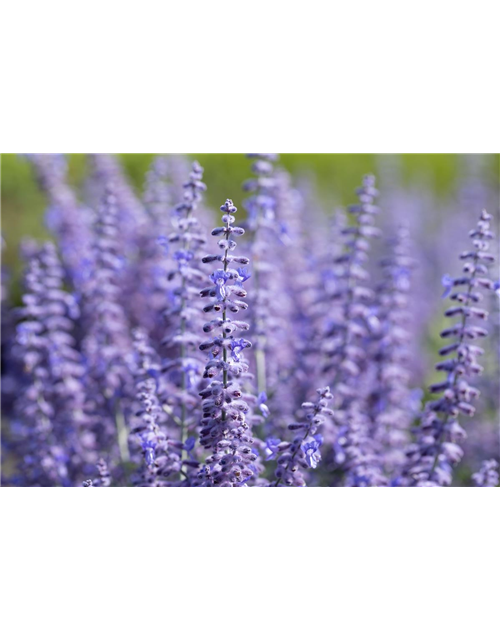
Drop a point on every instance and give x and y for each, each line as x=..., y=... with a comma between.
x=68, y=220
x=439, y=435
x=353, y=327
x=304, y=451
x=487, y=476
x=183, y=316
x=50, y=408
x=224, y=425
x=391, y=398
x=138, y=357
x=107, y=336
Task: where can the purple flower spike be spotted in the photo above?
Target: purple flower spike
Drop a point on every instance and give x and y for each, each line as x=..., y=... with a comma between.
x=487, y=476
x=437, y=449
x=303, y=451
x=184, y=319
x=348, y=339
x=226, y=425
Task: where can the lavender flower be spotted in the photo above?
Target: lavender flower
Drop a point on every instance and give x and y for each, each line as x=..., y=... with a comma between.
x=157, y=192
x=161, y=462
x=66, y=217
x=352, y=327
x=311, y=450
x=130, y=210
x=261, y=222
x=153, y=263
x=88, y=402
x=292, y=351
x=389, y=403
x=107, y=341
x=272, y=448
x=437, y=448
x=9, y=367
x=51, y=406
x=103, y=476
x=184, y=319
x=273, y=359
x=487, y=476
x=224, y=426
x=303, y=451
x=131, y=234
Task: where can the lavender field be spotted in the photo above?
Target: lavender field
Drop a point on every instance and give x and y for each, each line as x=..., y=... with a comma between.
x=167, y=328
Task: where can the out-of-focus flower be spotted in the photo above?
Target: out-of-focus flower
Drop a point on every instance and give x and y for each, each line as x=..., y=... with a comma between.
x=487, y=476
x=437, y=449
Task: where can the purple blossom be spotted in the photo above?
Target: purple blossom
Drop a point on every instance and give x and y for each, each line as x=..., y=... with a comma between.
x=390, y=402
x=311, y=450
x=213, y=386
x=352, y=330
x=149, y=451
x=244, y=274
x=67, y=218
x=261, y=400
x=303, y=451
x=219, y=278
x=439, y=435
x=487, y=476
x=162, y=463
x=52, y=400
x=447, y=282
x=237, y=347
x=107, y=333
x=272, y=448
x=183, y=313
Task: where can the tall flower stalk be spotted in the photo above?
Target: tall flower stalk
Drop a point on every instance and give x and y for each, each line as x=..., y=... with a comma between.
x=106, y=345
x=161, y=460
x=390, y=399
x=438, y=437
x=53, y=399
x=352, y=326
x=224, y=426
x=68, y=220
x=303, y=452
x=261, y=224
x=184, y=366
x=107, y=341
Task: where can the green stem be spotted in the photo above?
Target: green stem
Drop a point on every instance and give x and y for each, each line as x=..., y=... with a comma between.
x=260, y=360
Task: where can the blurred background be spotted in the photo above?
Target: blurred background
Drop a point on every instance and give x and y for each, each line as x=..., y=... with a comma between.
x=438, y=197
x=444, y=184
